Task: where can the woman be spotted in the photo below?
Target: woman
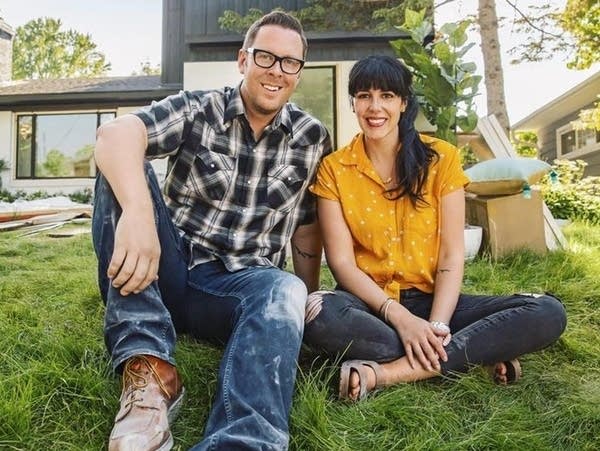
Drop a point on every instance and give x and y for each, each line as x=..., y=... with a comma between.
x=391, y=208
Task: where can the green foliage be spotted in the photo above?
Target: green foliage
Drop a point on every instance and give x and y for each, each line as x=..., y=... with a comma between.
x=328, y=15
x=588, y=118
x=42, y=50
x=467, y=156
x=233, y=21
x=444, y=83
x=569, y=195
x=547, y=31
x=84, y=196
x=525, y=143
x=3, y=166
x=147, y=69
x=57, y=391
x=56, y=164
x=581, y=18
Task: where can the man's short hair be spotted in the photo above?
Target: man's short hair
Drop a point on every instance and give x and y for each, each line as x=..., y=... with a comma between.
x=281, y=19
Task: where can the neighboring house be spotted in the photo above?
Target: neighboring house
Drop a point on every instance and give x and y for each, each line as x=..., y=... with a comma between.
x=36, y=117
x=557, y=138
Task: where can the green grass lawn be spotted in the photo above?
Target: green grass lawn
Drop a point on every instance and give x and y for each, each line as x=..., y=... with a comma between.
x=57, y=391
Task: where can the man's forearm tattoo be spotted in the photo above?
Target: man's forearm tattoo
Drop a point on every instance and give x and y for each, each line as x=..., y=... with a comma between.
x=303, y=254
x=444, y=270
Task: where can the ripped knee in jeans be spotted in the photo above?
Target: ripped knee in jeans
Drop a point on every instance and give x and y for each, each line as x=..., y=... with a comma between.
x=314, y=303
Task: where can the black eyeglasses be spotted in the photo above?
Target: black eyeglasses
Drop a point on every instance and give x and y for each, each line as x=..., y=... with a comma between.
x=265, y=59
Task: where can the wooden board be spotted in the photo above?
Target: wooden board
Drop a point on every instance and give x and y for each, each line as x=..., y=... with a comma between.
x=52, y=218
x=38, y=213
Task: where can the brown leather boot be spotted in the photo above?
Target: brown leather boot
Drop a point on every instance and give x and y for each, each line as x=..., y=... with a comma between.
x=151, y=397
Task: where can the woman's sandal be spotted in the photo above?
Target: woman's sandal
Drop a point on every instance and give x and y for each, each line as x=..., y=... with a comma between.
x=513, y=372
x=360, y=367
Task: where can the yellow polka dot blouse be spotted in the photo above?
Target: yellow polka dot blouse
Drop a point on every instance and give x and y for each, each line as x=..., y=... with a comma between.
x=394, y=243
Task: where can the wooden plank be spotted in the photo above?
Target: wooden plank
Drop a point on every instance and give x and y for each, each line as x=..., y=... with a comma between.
x=67, y=216
x=66, y=233
x=12, y=225
x=34, y=213
x=498, y=143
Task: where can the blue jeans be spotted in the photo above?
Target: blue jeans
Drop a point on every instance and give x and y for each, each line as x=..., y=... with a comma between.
x=258, y=313
x=485, y=329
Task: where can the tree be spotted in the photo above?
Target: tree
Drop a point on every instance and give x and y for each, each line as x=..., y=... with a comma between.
x=581, y=21
x=146, y=68
x=325, y=15
x=492, y=62
x=581, y=18
x=56, y=165
x=544, y=30
x=589, y=118
x=42, y=50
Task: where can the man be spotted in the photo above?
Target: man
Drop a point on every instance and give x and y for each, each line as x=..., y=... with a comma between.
x=208, y=260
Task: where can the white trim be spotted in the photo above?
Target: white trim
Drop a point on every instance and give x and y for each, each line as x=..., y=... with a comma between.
x=579, y=151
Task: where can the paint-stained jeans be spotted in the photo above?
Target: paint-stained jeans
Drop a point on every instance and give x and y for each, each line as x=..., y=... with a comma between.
x=485, y=329
x=258, y=313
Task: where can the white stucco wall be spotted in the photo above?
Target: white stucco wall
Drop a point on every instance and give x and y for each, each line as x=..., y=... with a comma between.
x=5, y=147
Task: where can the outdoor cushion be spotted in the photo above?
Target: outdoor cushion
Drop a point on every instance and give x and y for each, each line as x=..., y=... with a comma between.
x=503, y=176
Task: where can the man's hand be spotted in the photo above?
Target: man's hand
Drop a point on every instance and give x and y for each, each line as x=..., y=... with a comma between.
x=134, y=263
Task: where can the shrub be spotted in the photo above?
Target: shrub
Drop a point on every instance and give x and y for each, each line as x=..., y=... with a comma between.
x=569, y=195
x=83, y=196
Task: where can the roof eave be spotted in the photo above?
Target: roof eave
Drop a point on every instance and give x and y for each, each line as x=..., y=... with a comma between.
x=124, y=98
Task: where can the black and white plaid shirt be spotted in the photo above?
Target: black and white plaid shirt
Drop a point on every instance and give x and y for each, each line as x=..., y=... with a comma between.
x=234, y=198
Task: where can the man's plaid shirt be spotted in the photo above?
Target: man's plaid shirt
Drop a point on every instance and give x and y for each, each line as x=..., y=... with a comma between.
x=234, y=198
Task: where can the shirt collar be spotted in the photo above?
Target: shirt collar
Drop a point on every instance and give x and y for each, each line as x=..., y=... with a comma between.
x=235, y=108
x=355, y=155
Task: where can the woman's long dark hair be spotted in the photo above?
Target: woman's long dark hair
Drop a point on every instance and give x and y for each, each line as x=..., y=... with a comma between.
x=413, y=161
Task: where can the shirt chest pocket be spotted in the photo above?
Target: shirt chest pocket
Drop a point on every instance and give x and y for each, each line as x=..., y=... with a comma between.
x=284, y=186
x=212, y=174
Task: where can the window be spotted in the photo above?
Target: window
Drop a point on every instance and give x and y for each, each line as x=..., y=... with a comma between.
x=57, y=145
x=573, y=143
x=316, y=94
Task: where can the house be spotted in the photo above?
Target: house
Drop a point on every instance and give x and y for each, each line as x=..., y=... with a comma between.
x=553, y=124
x=47, y=127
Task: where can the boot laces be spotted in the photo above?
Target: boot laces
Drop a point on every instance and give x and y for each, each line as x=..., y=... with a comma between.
x=136, y=376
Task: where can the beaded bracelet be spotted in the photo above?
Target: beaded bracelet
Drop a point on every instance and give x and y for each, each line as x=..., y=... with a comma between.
x=441, y=326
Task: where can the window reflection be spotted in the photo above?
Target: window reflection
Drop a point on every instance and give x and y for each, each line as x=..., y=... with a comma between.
x=58, y=145
x=316, y=94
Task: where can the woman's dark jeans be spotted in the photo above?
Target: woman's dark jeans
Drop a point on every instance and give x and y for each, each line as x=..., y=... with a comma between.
x=485, y=329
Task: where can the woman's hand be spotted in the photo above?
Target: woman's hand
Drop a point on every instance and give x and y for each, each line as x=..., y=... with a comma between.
x=422, y=342
x=442, y=331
